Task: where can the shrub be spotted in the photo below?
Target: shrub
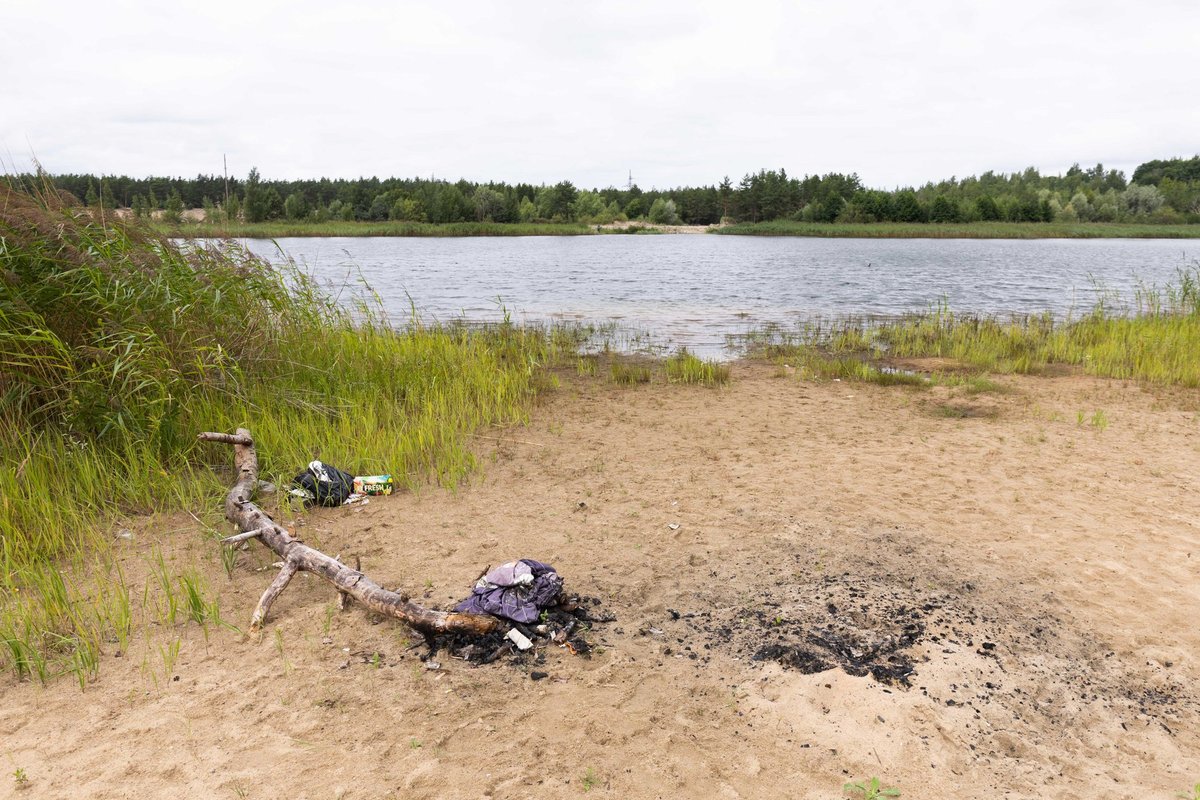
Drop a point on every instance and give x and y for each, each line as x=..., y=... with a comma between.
x=662, y=212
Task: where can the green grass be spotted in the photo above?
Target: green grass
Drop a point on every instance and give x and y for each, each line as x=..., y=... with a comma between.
x=1156, y=344
x=685, y=367
x=965, y=230
x=979, y=384
x=117, y=348
x=1154, y=341
x=624, y=373
x=870, y=789
x=587, y=365
x=813, y=362
x=284, y=229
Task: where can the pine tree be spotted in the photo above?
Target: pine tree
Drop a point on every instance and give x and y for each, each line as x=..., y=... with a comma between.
x=174, y=208
x=254, y=200
x=234, y=212
x=106, y=196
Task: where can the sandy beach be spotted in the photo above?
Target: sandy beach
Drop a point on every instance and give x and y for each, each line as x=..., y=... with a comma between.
x=984, y=595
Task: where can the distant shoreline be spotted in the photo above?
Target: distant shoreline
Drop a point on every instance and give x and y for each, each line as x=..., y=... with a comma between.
x=882, y=230
x=965, y=230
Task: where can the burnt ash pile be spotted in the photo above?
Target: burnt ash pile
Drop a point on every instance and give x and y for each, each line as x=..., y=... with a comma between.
x=858, y=625
x=868, y=640
x=568, y=625
x=917, y=618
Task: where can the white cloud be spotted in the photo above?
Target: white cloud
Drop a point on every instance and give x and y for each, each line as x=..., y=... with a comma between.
x=681, y=93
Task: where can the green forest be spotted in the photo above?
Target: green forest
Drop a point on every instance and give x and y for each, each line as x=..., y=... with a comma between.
x=1159, y=192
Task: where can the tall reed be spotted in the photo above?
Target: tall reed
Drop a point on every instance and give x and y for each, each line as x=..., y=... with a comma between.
x=117, y=347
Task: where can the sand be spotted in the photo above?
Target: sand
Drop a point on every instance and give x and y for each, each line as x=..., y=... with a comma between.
x=650, y=226
x=1047, y=570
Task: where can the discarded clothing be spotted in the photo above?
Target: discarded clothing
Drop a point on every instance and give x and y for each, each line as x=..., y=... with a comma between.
x=323, y=484
x=518, y=591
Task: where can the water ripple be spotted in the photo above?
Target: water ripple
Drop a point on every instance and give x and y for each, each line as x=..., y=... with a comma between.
x=691, y=290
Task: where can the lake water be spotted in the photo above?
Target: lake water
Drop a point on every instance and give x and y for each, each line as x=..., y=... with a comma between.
x=693, y=290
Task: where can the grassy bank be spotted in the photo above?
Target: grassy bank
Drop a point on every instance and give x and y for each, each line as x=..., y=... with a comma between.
x=970, y=230
x=1155, y=340
x=118, y=348
x=881, y=230
x=281, y=230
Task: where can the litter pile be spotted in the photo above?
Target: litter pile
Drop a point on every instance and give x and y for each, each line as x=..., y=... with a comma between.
x=326, y=485
x=528, y=596
x=525, y=594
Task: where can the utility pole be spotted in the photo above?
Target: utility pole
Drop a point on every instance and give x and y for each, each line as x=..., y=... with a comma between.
x=225, y=161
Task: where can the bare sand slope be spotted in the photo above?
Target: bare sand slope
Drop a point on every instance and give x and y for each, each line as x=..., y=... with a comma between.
x=1038, y=576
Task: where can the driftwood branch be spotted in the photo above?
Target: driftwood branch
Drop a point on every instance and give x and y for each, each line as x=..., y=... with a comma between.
x=226, y=438
x=297, y=556
x=344, y=597
x=274, y=590
x=241, y=537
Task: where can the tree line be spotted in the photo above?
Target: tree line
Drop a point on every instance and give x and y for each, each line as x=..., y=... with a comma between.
x=1163, y=191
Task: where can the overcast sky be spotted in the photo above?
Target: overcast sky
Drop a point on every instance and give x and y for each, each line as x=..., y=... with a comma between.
x=681, y=93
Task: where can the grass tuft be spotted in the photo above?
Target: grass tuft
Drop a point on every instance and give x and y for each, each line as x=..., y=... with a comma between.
x=626, y=374
x=685, y=367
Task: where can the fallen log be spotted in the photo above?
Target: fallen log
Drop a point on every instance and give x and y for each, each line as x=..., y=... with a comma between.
x=297, y=556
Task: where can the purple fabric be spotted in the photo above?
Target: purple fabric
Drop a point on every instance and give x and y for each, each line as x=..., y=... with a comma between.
x=514, y=573
x=516, y=602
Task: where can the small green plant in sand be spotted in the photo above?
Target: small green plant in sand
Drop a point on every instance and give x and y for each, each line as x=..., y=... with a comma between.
x=169, y=654
x=1099, y=420
x=978, y=384
x=198, y=609
x=1194, y=794
x=228, y=553
x=869, y=790
x=585, y=366
x=624, y=374
x=589, y=780
x=20, y=778
x=685, y=367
